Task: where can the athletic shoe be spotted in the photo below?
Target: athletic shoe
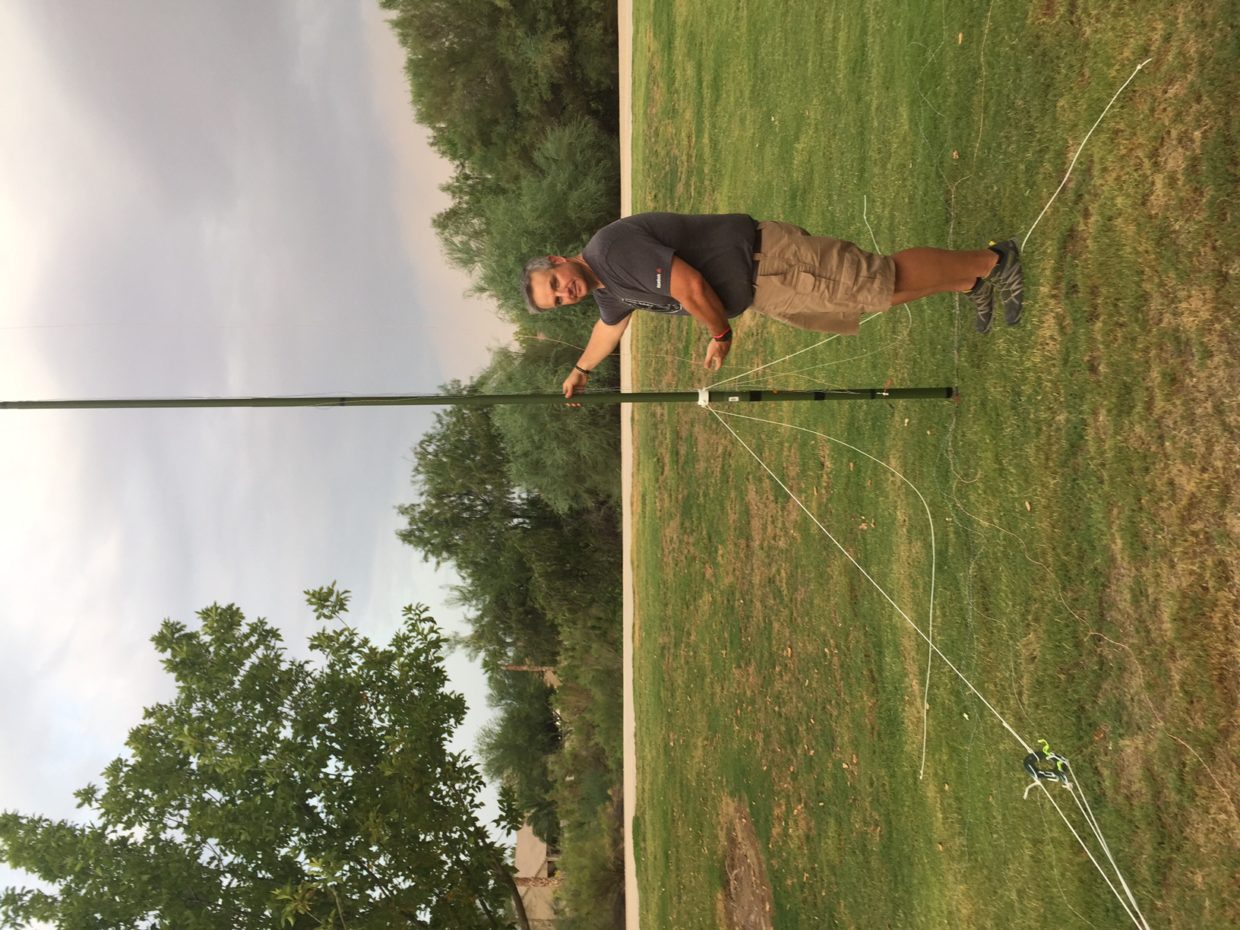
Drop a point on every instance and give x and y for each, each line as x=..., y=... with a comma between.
x=983, y=297
x=1009, y=280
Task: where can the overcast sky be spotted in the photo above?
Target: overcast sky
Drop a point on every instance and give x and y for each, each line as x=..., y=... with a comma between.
x=224, y=198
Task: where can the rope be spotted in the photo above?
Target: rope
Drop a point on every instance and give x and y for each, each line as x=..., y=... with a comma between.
x=1079, y=150
x=925, y=690
x=1087, y=812
x=754, y=371
x=879, y=588
x=933, y=560
x=1126, y=899
x=1128, y=909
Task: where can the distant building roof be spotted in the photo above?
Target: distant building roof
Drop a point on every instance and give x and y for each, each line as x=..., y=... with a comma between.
x=534, y=864
x=531, y=855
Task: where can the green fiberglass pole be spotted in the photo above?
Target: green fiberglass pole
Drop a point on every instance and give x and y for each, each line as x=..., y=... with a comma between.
x=486, y=400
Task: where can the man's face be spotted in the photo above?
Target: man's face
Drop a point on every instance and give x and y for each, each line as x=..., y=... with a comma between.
x=563, y=284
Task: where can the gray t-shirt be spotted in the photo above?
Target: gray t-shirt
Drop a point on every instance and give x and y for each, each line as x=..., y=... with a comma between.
x=632, y=258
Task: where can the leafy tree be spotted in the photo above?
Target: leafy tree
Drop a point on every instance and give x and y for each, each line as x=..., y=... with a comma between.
x=520, y=96
x=533, y=577
x=488, y=77
x=569, y=458
x=466, y=498
x=516, y=747
x=470, y=513
x=273, y=792
x=459, y=89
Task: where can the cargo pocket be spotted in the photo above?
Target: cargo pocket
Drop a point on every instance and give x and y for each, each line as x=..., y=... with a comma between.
x=834, y=285
x=809, y=282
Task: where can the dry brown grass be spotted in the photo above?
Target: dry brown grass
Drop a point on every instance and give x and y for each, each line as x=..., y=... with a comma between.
x=746, y=901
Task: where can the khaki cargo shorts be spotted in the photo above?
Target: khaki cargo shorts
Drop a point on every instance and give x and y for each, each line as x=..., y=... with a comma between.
x=816, y=282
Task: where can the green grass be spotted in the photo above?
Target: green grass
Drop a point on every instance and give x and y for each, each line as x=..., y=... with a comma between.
x=1083, y=492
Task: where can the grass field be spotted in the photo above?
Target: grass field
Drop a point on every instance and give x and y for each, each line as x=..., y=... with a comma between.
x=1083, y=493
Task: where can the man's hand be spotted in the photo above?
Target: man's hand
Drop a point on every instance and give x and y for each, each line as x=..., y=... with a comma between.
x=716, y=352
x=575, y=383
x=603, y=341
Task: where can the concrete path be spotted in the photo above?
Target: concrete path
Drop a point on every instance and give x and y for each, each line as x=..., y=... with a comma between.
x=625, y=20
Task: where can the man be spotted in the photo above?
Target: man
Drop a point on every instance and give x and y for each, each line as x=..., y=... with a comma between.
x=715, y=267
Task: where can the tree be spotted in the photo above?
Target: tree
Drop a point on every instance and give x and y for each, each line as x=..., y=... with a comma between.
x=488, y=77
x=273, y=792
x=567, y=192
x=471, y=514
x=578, y=469
x=516, y=747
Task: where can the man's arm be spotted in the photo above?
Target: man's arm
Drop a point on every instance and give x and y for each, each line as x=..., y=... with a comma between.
x=694, y=293
x=603, y=341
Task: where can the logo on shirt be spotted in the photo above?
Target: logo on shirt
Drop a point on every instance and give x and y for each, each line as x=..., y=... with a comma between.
x=658, y=278
x=670, y=307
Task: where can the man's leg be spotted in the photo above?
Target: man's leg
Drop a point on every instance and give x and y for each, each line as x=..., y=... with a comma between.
x=825, y=284
x=923, y=272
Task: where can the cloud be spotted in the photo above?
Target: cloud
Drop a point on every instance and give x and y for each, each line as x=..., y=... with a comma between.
x=244, y=198
x=200, y=201
x=73, y=679
x=457, y=325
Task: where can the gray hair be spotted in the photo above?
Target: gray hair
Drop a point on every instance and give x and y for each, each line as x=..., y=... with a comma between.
x=540, y=263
